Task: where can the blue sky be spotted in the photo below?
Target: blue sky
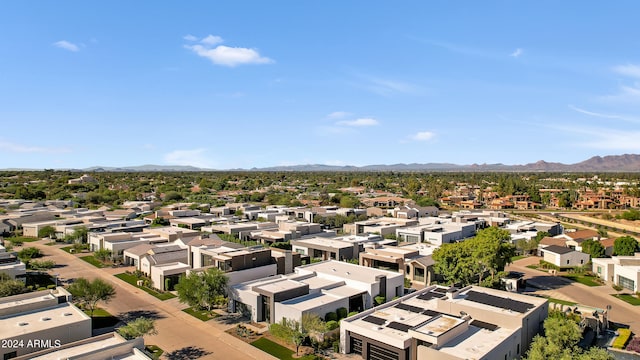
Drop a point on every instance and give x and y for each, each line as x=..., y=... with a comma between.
x=257, y=83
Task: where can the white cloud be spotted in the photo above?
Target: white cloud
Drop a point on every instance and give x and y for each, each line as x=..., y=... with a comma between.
x=387, y=87
x=516, y=53
x=422, y=136
x=229, y=56
x=63, y=44
x=626, y=94
x=18, y=148
x=338, y=115
x=605, y=138
x=604, y=116
x=195, y=157
x=212, y=40
x=359, y=122
x=190, y=37
x=628, y=70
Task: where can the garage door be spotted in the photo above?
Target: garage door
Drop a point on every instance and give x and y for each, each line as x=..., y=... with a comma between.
x=379, y=353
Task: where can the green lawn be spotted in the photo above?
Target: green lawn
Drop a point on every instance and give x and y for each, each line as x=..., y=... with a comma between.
x=277, y=350
x=66, y=249
x=535, y=267
x=582, y=279
x=203, y=315
x=628, y=298
x=132, y=279
x=516, y=258
x=93, y=261
x=155, y=351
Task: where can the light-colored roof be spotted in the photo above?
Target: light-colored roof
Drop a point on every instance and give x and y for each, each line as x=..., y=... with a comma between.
x=344, y=270
x=63, y=314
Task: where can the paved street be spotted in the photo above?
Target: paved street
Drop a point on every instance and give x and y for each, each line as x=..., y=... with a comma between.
x=177, y=331
x=595, y=296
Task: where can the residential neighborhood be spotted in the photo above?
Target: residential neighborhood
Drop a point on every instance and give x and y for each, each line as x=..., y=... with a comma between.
x=383, y=278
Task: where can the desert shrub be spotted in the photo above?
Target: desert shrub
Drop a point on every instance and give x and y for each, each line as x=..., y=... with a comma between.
x=331, y=325
x=331, y=316
x=342, y=313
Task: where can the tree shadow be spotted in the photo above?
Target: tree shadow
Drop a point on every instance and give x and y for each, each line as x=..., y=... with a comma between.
x=132, y=315
x=232, y=319
x=186, y=353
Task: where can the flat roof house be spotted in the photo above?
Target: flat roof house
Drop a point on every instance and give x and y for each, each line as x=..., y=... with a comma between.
x=102, y=347
x=438, y=233
x=42, y=315
x=414, y=261
x=11, y=265
x=621, y=270
x=381, y=226
x=446, y=324
x=317, y=288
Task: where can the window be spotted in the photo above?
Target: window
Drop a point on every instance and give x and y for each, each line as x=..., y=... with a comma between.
x=567, y=261
x=599, y=270
x=581, y=261
x=418, y=274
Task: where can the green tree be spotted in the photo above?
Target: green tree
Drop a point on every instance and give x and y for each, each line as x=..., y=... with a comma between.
x=138, y=328
x=25, y=255
x=80, y=234
x=102, y=254
x=625, y=246
x=204, y=289
x=296, y=332
x=560, y=342
x=172, y=196
x=594, y=248
x=454, y=262
x=47, y=231
x=89, y=293
x=347, y=201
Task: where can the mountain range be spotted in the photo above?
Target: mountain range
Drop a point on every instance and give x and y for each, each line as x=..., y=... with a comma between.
x=610, y=163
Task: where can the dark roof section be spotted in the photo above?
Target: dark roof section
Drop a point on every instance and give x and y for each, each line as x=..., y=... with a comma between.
x=558, y=249
x=484, y=325
x=399, y=326
x=500, y=302
x=374, y=320
x=413, y=309
x=440, y=290
x=431, y=313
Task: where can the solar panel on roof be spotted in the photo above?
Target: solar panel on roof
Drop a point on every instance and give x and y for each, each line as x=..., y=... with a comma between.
x=399, y=326
x=374, y=320
x=500, y=302
x=415, y=309
x=440, y=290
x=484, y=325
x=431, y=313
